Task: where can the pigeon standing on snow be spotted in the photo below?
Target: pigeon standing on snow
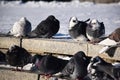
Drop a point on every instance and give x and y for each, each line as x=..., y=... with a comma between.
x=95, y=30
x=76, y=67
x=20, y=28
x=49, y=65
x=18, y=57
x=77, y=29
x=47, y=28
x=111, y=41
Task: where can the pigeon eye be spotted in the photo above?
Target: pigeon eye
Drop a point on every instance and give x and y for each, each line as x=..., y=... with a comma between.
x=74, y=20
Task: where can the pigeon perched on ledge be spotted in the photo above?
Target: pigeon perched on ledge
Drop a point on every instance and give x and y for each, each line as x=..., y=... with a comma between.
x=95, y=30
x=46, y=28
x=77, y=29
x=113, y=40
x=21, y=28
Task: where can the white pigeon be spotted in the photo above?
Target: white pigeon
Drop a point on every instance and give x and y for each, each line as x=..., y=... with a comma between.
x=95, y=30
x=77, y=29
x=21, y=28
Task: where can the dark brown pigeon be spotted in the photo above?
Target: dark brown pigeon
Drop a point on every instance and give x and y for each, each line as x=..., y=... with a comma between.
x=18, y=57
x=2, y=57
x=115, y=35
x=47, y=28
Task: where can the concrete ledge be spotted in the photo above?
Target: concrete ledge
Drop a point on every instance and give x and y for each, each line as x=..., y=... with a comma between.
x=58, y=46
x=53, y=46
x=13, y=75
x=9, y=74
x=6, y=42
x=113, y=53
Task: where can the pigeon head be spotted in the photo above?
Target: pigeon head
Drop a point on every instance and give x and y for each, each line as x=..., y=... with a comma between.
x=36, y=60
x=94, y=24
x=51, y=17
x=91, y=68
x=13, y=49
x=23, y=19
x=73, y=21
x=96, y=60
x=36, y=57
x=80, y=55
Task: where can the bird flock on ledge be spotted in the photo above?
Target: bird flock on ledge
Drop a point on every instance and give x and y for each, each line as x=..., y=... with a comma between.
x=79, y=66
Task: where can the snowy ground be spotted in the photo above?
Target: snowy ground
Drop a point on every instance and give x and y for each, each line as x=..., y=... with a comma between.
x=35, y=12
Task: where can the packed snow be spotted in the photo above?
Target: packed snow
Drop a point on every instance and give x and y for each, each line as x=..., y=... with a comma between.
x=10, y=12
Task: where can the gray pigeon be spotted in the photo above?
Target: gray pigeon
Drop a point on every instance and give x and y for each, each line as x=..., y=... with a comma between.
x=49, y=65
x=76, y=67
x=20, y=28
x=107, y=70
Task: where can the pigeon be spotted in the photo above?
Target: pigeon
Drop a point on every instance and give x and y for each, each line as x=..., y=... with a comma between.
x=115, y=35
x=76, y=67
x=77, y=29
x=18, y=57
x=98, y=65
x=49, y=65
x=2, y=57
x=113, y=40
x=46, y=28
x=95, y=30
x=20, y=28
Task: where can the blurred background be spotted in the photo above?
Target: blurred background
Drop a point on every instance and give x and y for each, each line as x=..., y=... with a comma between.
x=95, y=1
x=106, y=11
